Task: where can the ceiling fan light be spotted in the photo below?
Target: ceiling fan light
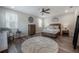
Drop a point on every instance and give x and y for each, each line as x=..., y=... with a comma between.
x=66, y=11
x=12, y=7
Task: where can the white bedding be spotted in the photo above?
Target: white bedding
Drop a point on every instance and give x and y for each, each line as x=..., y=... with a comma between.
x=39, y=44
x=53, y=31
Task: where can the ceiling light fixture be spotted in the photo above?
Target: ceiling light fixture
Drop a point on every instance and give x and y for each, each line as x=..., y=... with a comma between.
x=66, y=11
x=12, y=7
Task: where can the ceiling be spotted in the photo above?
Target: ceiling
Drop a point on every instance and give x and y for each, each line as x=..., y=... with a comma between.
x=35, y=10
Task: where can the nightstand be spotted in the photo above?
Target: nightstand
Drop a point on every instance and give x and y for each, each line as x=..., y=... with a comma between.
x=65, y=32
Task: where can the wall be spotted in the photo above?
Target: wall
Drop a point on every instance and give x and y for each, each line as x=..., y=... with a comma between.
x=22, y=19
x=23, y=23
x=50, y=20
x=2, y=20
x=69, y=20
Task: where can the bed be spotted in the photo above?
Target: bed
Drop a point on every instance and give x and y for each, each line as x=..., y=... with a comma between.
x=53, y=30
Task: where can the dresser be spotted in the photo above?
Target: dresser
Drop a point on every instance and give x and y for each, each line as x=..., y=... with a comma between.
x=31, y=29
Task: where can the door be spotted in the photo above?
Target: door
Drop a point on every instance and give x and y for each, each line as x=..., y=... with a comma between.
x=75, y=37
x=31, y=29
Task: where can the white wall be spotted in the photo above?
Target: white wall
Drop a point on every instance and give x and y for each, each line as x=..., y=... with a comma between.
x=2, y=16
x=22, y=19
x=70, y=20
x=23, y=23
x=50, y=20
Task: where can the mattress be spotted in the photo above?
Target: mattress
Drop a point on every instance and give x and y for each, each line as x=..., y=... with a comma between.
x=39, y=44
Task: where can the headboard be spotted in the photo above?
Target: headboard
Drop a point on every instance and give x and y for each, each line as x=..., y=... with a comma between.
x=56, y=24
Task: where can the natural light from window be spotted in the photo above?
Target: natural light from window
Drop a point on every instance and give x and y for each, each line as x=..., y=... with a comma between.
x=11, y=20
x=40, y=22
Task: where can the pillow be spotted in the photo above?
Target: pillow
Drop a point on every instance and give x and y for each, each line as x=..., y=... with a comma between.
x=50, y=27
x=55, y=27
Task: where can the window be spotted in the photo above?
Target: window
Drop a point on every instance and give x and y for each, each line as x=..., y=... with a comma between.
x=40, y=22
x=11, y=20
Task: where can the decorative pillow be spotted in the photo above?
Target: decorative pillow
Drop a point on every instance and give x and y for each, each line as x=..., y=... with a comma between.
x=50, y=27
x=55, y=27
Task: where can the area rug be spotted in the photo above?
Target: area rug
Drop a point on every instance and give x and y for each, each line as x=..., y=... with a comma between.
x=39, y=44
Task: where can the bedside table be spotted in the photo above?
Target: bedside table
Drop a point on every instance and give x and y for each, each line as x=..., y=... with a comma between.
x=65, y=32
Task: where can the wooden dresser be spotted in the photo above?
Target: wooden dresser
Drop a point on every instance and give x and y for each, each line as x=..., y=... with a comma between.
x=31, y=29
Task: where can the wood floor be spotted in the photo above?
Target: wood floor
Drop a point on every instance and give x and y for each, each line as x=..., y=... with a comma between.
x=65, y=45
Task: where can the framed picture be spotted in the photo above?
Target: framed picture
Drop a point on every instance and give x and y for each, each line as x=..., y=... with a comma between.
x=30, y=19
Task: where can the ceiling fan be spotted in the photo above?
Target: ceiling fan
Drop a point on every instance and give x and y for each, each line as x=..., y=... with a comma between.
x=45, y=11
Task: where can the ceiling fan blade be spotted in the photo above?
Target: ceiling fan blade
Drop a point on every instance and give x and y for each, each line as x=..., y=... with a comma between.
x=47, y=9
x=47, y=12
x=43, y=10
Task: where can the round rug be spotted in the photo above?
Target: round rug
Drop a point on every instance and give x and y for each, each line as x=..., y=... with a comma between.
x=39, y=44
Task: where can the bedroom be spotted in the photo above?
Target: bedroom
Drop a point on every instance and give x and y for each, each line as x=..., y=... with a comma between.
x=20, y=23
